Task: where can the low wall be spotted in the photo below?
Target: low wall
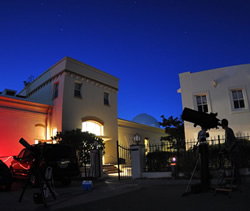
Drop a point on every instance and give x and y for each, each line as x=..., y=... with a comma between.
x=156, y=174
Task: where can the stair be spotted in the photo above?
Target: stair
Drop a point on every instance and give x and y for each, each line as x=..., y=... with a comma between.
x=226, y=186
x=110, y=169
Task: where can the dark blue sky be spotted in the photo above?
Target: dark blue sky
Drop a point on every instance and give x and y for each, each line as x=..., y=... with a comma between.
x=145, y=43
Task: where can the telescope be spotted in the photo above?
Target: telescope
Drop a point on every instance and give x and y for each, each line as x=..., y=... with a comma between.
x=35, y=151
x=203, y=119
x=25, y=144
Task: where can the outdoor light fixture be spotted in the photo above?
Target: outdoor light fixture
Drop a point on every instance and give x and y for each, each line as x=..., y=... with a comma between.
x=137, y=138
x=214, y=83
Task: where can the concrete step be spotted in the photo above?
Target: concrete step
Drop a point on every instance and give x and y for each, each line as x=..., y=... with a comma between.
x=109, y=169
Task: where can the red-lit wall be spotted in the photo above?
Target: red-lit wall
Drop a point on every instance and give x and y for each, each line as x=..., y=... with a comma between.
x=17, y=121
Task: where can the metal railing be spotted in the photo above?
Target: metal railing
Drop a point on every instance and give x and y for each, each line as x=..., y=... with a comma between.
x=158, y=157
x=124, y=162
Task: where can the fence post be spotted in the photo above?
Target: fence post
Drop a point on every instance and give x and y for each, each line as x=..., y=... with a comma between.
x=96, y=163
x=137, y=160
x=118, y=160
x=219, y=141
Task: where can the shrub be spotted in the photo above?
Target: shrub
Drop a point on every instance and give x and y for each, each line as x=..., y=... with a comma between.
x=158, y=161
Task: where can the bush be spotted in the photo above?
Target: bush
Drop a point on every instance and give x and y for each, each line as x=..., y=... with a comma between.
x=158, y=161
x=244, y=146
x=83, y=143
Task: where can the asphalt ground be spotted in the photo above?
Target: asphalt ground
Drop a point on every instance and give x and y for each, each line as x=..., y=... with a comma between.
x=109, y=194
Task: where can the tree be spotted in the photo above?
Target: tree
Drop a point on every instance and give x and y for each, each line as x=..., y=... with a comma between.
x=82, y=141
x=174, y=128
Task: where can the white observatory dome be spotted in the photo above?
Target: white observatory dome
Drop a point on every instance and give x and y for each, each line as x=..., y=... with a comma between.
x=146, y=119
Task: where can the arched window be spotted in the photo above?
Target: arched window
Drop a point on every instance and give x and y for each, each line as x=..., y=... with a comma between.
x=92, y=126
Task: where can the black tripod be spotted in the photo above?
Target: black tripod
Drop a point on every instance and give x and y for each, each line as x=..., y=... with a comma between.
x=204, y=171
x=37, y=171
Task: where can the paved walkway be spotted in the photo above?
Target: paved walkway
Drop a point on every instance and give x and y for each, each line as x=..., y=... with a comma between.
x=112, y=195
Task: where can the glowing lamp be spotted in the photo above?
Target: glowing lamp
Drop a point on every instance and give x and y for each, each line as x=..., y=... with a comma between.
x=137, y=139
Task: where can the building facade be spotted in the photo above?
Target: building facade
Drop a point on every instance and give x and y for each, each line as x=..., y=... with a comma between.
x=225, y=91
x=67, y=96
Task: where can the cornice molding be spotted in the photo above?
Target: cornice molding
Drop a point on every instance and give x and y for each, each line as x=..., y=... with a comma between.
x=90, y=80
x=130, y=124
x=55, y=77
x=72, y=74
x=92, y=68
x=23, y=105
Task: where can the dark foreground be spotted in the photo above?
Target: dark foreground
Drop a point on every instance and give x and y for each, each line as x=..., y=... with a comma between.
x=112, y=195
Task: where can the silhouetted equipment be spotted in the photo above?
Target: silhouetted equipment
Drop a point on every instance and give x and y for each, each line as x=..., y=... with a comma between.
x=203, y=119
x=202, y=161
x=5, y=176
x=25, y=144
x=36, y=170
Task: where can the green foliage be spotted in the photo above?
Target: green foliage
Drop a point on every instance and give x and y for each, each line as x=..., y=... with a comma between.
x=158, y=161
x=186, y=161
x=82, y=141
x=215, y=157
x=174, y=128
x=244, y=146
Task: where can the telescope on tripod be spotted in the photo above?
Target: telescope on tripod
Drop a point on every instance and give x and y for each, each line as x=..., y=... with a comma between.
x=206, y=121
x=36, y=170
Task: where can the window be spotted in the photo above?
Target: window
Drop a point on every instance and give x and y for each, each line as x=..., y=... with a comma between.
x=77, y=90
x=92, y=127
x=146, y=143
x=201, y=101
x=238, y=99
x=40, y=131
x=55, y=91
x=106, y=98
x=54, y=132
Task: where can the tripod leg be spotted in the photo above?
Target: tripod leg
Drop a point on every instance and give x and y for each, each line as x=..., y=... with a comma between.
x=40, y=177
x=26, y=184
x=48, y=186
x=39, y=173
x=197, y=162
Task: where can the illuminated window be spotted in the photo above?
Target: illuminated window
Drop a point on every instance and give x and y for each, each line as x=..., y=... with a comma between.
x=238, y=99
x=55, y=91
x=40, y=132
x=201, y=101
x=92, y=127
x=106, y=98
x=54, y=132
x=146, y=143
x=77, y=90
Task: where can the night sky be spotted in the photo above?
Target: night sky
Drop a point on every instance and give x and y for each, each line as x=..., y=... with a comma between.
x=145, y=43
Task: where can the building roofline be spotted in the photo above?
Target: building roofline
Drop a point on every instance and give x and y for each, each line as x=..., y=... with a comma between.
x=127, y=123
x=23, y=104
x=67, y=58
x=219, y=68
x=92, y=68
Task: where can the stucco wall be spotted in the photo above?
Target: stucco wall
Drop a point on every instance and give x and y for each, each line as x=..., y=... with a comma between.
x=21, y=119
x=91, y=105
x=127, y=130
x=216, y=84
